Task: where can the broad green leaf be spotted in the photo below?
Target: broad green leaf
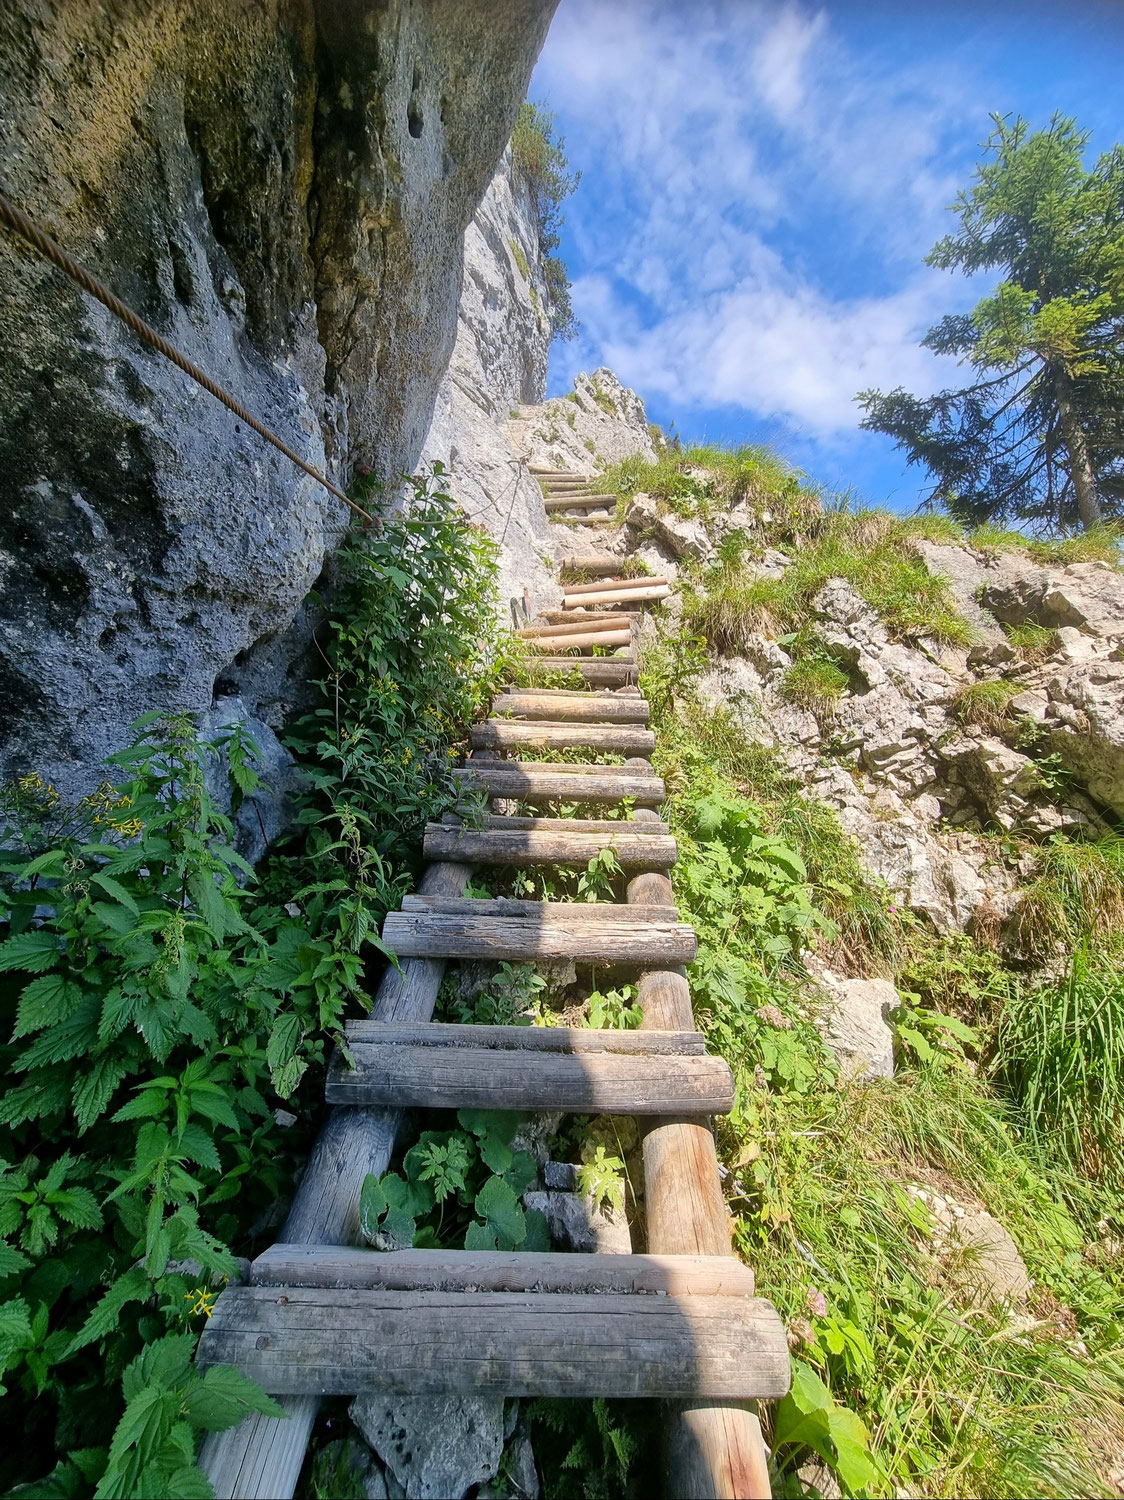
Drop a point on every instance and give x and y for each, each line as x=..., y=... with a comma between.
x=45, y=1002
x=498, y=1206
x=35, y=951
x=223, y=1397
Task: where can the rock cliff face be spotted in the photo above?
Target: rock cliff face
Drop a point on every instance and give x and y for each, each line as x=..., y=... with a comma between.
x=281, y=187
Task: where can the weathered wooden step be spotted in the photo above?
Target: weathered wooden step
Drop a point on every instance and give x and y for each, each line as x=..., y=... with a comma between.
x=400, y=1076
x=500, y=1271
x=605, y=671
x=578, y=617
x=578, y=500
x=577, y=708
x=579, y=520
x=571, y=704
x=650, y=594
x=344, y=1341
x=577, y=623
x=576, y=912
x=548, y=781
x=579, y=640
x=618, y=585
x=510, y=734
x=503, y=842
x=552, y=932
x=651, y=826
x=556, y=1039
x=540, y=472
x=599, y=564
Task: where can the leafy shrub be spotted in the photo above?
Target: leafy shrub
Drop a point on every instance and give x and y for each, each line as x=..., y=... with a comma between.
x=458, y=1186
x=160, y=1002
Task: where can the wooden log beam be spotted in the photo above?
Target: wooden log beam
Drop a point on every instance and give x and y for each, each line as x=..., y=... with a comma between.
x=548, y=846
x=616, y=671
x=622, y=615
x=650, y=593
x=525, y=939
x=576, y=708
x=261, y=1458
x=631, y=827
x=583, y=621
x=577, y=640
x=343, y=1342
x=618, y=586
x=575, y=499
x=562, y=783
x=712, y=1451
x=500, y=1271
x=401, y=1076
x=512, y=734
x=561, y=1039
x=565, y=912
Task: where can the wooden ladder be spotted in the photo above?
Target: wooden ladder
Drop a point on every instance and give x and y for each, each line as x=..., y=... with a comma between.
x=682, y=1323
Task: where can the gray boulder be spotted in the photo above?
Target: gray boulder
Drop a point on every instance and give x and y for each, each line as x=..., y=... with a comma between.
x=436, y=1447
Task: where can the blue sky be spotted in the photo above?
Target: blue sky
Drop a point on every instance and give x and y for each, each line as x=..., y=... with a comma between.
x=761, y=180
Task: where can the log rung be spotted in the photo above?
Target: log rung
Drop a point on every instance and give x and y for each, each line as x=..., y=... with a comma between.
x=512, y=734
x=563, y=912
x=345, y=1342
x=612, y=939
x=578, y=708
x=650, y=594
x=615, y=671
x=409, y=1076
x=581, y=640
x=582, y=621
x=500, y=1271
x=621, y=585
x=572, y=846
x=561, y=1040
x=559, y=782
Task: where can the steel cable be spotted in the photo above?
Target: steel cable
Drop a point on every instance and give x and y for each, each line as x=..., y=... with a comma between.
x=23, y=225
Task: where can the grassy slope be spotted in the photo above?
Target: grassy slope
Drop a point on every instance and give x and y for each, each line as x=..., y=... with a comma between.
x=1015, y=1115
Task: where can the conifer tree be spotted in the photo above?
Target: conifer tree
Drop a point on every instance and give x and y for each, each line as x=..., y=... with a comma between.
x=1038, y=435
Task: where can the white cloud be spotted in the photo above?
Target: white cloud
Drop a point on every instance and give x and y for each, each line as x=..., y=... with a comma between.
x=756, y=207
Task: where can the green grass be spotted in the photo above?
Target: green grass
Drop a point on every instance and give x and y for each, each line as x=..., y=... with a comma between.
x=985, y=705
x=1098, y=544
x=1075, y=897
x=1061, y=1054
x=706, y=480
x=956, y=1401
x=813, y=683
x=1034, y=643
x=871, y=550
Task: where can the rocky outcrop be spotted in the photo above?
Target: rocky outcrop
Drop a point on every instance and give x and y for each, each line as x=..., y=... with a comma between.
x=597, y=424
x=499, y=362
x=915, y=787
x=282, y=189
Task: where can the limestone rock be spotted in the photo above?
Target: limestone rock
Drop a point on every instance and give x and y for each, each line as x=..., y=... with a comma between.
x=577, y=1224
x=603, y=423
x=854, y=1023
x=282, y=190
x=498, y=362
x=986, y=1265
x=437, y=1447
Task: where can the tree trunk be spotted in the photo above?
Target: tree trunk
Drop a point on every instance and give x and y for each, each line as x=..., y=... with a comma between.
x=1080, y=464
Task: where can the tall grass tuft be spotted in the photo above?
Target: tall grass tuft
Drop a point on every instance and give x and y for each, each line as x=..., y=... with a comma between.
x=1061, y=1055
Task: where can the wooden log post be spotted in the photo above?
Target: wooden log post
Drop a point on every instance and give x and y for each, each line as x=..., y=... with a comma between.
x=713, y=1451
x=261, y=1458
